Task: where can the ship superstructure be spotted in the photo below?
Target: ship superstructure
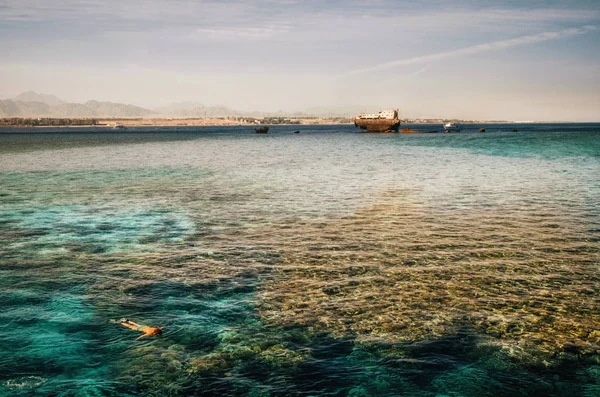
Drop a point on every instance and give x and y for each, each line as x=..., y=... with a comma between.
x=383, y=121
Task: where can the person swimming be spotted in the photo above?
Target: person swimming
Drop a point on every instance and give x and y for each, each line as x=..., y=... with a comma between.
x=148, y=331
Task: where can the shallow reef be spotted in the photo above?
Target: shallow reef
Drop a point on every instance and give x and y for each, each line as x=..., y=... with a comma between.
x=302, y=277
x=526, y=280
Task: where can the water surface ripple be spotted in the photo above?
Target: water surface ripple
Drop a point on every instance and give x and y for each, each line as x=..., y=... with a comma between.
x=325, y=263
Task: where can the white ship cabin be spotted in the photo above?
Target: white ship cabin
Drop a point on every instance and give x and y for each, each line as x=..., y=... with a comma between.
x=384, y=114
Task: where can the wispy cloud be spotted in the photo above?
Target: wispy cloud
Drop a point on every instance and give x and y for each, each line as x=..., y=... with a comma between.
x=495, y=45
x=243, y=32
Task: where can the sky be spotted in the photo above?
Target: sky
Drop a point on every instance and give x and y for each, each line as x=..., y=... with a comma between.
x=488, y=60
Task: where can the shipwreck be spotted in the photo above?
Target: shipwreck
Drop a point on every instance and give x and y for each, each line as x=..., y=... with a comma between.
x=384, y=121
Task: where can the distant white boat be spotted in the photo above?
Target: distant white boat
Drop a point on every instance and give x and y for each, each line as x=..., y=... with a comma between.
x=119, y=127
x=451, y=127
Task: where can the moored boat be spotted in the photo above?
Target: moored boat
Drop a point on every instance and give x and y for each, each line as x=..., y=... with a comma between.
x=451, y=127
x=384, y=121
x=262, y=130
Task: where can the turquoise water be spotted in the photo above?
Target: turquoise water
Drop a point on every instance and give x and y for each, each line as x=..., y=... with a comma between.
x=325, y=263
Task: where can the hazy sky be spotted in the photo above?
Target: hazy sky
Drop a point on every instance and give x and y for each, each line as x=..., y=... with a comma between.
x=518, y=60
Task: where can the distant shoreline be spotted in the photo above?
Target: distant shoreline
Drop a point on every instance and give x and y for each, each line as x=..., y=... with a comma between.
x=216, y=122
x=167, y=122
x=226, y=121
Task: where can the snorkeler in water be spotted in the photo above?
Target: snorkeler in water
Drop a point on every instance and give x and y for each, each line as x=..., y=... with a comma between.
x=148, y=331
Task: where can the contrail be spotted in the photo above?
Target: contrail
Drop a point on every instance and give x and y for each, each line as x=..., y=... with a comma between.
x=494, y=45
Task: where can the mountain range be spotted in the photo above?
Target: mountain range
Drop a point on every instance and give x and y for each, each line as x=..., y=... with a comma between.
x=32, y=104
x=195, y=109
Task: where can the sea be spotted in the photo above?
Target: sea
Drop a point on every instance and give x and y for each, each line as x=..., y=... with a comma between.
x=326, y=262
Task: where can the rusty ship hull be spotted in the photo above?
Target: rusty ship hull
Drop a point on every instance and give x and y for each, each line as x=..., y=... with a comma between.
x=377, y=125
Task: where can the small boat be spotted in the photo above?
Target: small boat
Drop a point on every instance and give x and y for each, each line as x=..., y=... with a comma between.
x=482, y=130
x=119, y=127
x=409, y=131
x=261, y=130
x=451, y=127
x=296, y=132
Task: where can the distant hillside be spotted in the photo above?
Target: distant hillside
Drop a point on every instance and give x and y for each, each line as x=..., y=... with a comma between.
x=111, y=109
x=195, y=109
x=10, y=108
x=71, y=110
x=178, y=107
x=31, y=96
